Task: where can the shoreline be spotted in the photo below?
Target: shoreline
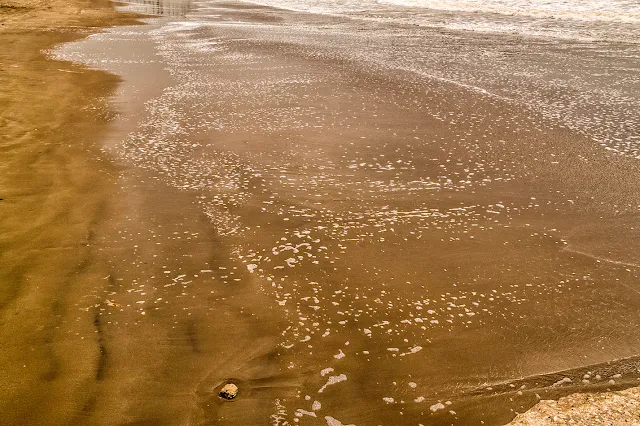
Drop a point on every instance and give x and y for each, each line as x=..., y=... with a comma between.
x=94, y=222
x=81, y=347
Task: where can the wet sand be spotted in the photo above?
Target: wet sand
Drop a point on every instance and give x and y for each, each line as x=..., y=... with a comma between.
x=341, y=242
x=54, y=186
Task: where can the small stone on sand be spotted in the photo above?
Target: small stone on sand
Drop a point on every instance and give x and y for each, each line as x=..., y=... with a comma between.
x=229, y=391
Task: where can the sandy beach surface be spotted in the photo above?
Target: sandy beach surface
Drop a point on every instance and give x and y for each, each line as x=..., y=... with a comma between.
x=355, y=217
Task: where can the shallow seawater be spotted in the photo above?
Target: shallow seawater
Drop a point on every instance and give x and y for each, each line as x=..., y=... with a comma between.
x=427, y=226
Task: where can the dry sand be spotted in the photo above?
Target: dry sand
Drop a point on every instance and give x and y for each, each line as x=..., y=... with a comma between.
x=607, y=408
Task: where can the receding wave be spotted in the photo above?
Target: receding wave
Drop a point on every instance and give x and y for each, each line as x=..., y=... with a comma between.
x=596, y=10
x=589, y=10
x=615, y=20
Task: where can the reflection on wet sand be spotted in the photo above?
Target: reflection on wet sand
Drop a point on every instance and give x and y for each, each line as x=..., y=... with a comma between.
x=160, y=7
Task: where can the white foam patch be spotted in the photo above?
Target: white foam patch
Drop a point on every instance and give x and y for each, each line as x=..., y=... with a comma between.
x=437, y=407
x=335, y=422
x=332, y=381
